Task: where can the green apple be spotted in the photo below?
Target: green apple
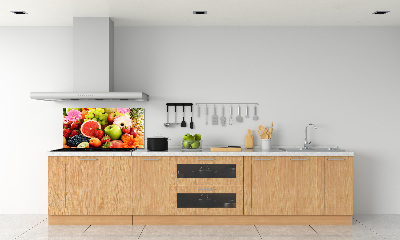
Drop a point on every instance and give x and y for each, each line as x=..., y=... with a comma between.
x=113, y=131
x=197, y=137
x=186, y=144
x=190, y=139
x=196, y=144
x=186, y=136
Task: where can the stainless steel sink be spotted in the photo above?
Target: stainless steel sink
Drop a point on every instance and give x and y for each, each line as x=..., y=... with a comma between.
x=314, y=149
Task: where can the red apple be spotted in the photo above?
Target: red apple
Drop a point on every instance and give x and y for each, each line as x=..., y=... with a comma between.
x=110, y=118
x=133, y=132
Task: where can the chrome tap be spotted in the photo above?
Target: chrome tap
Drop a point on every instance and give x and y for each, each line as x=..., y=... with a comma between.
x=306, y=142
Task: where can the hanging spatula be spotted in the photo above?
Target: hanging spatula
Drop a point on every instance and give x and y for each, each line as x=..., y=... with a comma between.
x=183, y=123
x=214, y=118
x=223, y=119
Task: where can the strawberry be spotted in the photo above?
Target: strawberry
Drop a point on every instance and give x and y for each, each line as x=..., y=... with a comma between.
x=65, y=125
x=105, y=139
x=70, y=123
x=126, y=130
x=66, y=132
x=74, y=126
x=99, y=133
x=79, y=122
x=107, y=145
x=73, y=133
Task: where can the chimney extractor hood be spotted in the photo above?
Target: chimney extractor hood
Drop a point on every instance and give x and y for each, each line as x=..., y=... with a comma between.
x=93, y=61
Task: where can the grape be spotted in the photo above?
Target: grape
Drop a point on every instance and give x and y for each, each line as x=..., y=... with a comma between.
x=97, y=115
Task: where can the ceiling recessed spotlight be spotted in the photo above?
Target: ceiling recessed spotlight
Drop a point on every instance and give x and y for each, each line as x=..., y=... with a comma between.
x=381, y=12
x=19, y=12
x=199, y=12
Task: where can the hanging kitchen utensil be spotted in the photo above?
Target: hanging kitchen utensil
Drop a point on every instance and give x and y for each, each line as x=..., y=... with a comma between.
x=191, y=118
x=183, y=123
x=255, y=118
x=198, y=111
x=239, y=118
x=214, y=118
x=167, y=124
x=223, y=119
x=206, y=114
x=176, y=117
x=230, y=116
x=247, y=111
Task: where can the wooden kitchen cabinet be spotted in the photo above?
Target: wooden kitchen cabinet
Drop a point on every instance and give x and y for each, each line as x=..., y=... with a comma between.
x=338, y=185
x=98, y=186
x=151, y=186
x=287, y=186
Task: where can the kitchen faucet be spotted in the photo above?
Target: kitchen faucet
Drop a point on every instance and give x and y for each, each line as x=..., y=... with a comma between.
x=306, y=142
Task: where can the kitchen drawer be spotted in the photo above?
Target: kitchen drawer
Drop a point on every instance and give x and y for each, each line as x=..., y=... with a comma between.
x=189, y=171
x=206, y=200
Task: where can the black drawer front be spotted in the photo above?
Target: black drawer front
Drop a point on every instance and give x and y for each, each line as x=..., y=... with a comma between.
x=206, y=171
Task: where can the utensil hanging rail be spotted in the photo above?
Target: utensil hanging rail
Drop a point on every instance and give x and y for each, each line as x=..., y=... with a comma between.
x=180, y=104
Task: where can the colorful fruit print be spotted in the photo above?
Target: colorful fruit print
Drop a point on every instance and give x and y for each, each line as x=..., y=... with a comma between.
x=83, y=124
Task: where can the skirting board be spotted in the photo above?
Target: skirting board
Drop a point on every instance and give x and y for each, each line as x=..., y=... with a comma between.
x=90, y=220
x=242, y=220
x=200, y=220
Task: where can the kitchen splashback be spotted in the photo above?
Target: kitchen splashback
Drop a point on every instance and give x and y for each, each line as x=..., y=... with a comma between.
x=103, y=127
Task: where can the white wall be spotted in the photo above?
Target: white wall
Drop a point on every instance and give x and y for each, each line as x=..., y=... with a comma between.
x=342, y=79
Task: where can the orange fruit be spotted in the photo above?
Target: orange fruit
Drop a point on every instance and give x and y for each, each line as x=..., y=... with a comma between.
x=64, y=141
x=95, y=142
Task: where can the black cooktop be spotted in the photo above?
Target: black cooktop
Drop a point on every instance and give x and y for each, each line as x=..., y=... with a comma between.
x=94, y=150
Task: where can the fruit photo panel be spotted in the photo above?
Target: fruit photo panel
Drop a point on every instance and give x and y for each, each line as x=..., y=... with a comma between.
x=103, y=127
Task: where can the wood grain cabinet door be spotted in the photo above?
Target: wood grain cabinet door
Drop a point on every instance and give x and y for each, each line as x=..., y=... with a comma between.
x=151, y=186
x=98, y=186
x=338, y=185
x=287, y=186
x=56, y=185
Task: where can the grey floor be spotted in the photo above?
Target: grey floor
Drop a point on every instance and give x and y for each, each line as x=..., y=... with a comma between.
x=365, y=227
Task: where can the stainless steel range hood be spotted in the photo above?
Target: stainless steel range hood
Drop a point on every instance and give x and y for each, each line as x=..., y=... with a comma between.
x=93, y=50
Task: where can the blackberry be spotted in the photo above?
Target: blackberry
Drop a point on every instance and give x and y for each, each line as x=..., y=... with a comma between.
x=76, y=140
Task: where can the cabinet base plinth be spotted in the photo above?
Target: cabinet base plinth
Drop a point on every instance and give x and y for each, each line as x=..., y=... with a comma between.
x=200, y=220
x=90, y=220
x=242, y=220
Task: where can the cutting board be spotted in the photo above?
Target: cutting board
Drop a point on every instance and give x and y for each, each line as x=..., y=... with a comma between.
x=226, y=149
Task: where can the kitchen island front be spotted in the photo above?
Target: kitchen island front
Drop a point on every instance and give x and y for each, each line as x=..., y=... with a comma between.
x=175, y=187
